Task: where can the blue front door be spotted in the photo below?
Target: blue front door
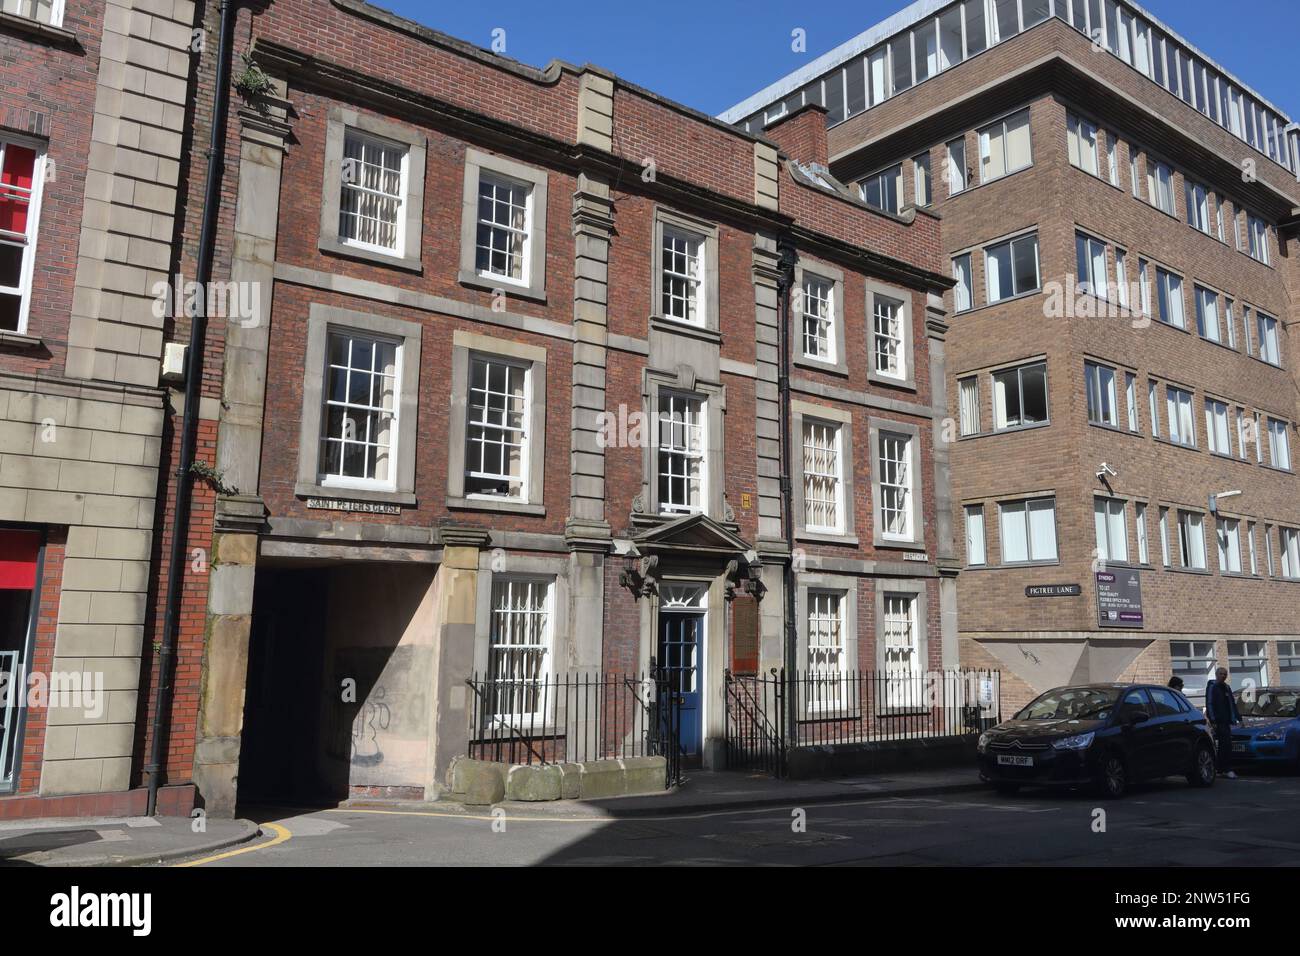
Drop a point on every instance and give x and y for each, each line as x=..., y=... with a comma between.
x=680, y=637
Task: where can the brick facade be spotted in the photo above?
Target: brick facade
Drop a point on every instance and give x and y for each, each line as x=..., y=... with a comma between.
x=616, y=160
x=1051, y=70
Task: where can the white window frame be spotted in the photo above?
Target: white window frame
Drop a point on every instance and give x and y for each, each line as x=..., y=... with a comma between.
x=880, y=178
x=995, y=137
x=1197, y=200
x=1288, y=543
x=1279, y=444
x=1000, y=418
x=828, y=474
x=820, y=310
x=543, y=647
x=1227, y=534
x=27, y=241
x=1160, y=186
x=1266, y=327
x=56, y=14
x=1017, y=516
x=993, y=294
x=485, y=427
x=1140, y=526
x=964, y=291
x=1081, y=136
x=1218, y=434
x=968, y=399
x=1182, y=420
x=1099, y=381
x=1110, y=521
x=957, y=172
x=1169, y=295
x=325, y=478
x=694, y=300
x=976, y=536
x=1090, y=259
x=1207, y=314
x=1191, y=540
x=669, y=400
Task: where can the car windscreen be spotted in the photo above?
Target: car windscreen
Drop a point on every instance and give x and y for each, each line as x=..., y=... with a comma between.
x=1084, y=703
x=1268, y=703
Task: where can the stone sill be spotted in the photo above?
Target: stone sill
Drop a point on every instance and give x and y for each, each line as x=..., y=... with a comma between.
x=56, y=35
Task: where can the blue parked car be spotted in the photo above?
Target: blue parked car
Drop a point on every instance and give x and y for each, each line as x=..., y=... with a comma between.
x=1269, y=732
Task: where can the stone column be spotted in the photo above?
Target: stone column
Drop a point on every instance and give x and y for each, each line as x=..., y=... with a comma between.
x=240, y=516
x=936, y=330
x=773, y=550
x=455, y=626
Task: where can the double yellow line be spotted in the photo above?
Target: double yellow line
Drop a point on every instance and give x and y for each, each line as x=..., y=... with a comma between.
x=282, y=835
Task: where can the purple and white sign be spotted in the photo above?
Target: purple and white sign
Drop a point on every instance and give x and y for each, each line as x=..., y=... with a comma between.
x=1119, y=598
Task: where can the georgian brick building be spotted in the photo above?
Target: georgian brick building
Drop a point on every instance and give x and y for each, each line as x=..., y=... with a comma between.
x=92, y=122
x=1119, y=214
x=511, y=400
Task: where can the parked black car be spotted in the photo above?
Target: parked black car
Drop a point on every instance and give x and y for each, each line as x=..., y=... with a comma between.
x=1104, y=735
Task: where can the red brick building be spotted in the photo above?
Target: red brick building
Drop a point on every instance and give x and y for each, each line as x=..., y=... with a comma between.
x=1119, y=214
x=510, y=400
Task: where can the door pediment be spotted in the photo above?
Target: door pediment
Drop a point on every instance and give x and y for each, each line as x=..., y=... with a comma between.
x=696, y=534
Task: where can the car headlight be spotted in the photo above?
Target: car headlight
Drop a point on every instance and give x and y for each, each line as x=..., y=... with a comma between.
x=1077, y=742
x=1271, y=735
x=983, y=744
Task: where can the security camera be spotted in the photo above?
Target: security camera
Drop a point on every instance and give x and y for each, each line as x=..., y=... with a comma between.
x=1106, y=470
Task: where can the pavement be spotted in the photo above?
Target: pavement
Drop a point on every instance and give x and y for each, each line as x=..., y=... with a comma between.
x=1250, y=822
x=932, y=817
x=115, y=841
x=704, y=790
x=142, y=840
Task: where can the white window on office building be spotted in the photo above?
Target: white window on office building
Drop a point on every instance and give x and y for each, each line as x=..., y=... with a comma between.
x=1248, y=664
x=1228, y=533
x=1191, y=540
x=1028, y=530
x=1194, y=662
x=1110, y=516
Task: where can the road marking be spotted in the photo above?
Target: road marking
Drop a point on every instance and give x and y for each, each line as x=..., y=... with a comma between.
x=472, y=816
x=282, y=835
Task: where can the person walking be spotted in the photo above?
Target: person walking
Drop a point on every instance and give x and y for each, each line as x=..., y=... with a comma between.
x=1221, y=708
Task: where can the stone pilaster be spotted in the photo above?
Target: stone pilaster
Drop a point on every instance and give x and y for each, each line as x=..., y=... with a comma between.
x=239, y=445
x=772, y=546
x=455, y=615
x=945, y=545
x=593, y=223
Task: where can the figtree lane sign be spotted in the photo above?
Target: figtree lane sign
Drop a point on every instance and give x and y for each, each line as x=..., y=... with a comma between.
x=1119, y=598
x=1053, y=590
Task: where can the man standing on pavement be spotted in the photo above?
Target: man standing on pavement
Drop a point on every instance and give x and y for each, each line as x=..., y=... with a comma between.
x=1221, y=708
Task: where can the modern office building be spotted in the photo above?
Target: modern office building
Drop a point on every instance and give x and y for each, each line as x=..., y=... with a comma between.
x=1120, y=216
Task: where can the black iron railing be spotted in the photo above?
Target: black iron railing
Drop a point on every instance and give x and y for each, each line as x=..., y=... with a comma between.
x=576, y=718
x=767, y=714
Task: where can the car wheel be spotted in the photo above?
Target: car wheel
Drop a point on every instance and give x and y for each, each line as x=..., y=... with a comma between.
x=1007, y=789
x=1203, y=770
x=1112, y=781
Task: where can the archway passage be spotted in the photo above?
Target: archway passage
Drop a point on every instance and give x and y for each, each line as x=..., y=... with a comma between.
x=340, y=681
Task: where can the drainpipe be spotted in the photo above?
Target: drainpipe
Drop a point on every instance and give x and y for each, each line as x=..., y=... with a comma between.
x=162, y=691
x=787, y=257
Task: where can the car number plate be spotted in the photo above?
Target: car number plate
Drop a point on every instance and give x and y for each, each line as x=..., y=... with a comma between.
x=1239, y=748
x=1004, y=761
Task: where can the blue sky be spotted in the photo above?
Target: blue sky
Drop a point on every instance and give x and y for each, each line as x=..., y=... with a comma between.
x=710, y=54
